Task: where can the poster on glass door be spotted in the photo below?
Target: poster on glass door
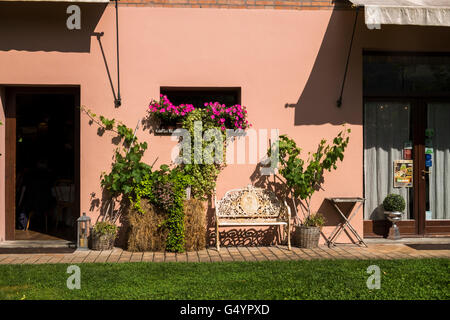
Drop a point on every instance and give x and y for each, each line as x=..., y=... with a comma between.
x=403, y=173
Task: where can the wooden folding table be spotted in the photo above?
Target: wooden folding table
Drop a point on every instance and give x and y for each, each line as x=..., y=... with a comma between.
x=346, y=224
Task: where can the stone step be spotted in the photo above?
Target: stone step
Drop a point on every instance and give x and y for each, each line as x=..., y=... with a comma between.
x=37, y=244
x=419, y=240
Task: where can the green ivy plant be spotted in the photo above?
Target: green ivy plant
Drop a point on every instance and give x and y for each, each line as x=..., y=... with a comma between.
x=304, y=178
x=204, y=175
x=165, y=188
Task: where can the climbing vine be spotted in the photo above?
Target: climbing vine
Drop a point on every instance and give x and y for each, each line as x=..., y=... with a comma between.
x=205, y=173
x=166, y=189
x=127, y=170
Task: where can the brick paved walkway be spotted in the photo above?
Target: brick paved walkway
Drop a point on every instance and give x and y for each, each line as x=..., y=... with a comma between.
x=374, y=251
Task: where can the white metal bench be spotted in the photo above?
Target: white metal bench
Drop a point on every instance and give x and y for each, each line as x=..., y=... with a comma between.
x=252, y=207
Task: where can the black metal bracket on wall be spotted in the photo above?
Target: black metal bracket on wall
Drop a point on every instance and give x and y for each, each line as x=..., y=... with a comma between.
x=99, y=35
x=339, y=101
x=117, y=99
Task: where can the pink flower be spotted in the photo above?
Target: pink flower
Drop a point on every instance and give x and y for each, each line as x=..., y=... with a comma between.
x=212, y=117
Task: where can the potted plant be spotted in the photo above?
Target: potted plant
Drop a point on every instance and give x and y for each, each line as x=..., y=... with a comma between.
x=308, y=233
x=394, y=205
x=303, y=178
x=103, y=235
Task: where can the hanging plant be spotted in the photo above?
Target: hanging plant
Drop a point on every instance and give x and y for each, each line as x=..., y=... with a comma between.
x=212, y=115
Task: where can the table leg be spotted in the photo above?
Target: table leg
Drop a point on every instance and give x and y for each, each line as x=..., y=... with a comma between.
x=346, y=223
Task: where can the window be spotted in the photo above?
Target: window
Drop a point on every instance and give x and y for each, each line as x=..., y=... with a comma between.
x=401, y=74
x=197, y=96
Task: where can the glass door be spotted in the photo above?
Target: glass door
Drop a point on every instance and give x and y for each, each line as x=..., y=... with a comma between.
x=436, y=171
x=390, y=149
x=407, y=128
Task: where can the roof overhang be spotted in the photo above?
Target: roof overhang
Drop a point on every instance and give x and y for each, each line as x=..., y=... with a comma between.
x=406, y=12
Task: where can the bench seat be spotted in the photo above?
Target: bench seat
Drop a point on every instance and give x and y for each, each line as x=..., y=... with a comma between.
x=251, y=206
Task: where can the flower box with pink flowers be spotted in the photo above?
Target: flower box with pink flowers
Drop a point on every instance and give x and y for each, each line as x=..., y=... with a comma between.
x=170, y=116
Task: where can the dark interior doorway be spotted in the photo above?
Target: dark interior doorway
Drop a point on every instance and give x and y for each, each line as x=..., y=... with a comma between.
x=43, y=128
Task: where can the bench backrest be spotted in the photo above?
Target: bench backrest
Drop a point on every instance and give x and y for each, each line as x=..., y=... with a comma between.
x=249, y=202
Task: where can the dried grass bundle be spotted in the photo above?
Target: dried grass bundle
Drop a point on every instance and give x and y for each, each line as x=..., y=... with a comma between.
x=194, y=225
x=146, y=231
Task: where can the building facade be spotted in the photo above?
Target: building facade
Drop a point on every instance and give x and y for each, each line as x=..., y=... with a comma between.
x=286, y=61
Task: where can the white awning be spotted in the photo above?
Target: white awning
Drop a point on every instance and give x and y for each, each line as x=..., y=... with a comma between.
x=408, y=12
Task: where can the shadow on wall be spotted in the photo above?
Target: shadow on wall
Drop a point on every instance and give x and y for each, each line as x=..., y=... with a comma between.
x=41, y=26
x=317, y=102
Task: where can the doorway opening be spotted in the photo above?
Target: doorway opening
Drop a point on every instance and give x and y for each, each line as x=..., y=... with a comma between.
x=45, y=162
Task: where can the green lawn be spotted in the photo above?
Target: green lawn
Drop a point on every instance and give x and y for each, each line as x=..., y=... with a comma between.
x=317, y=279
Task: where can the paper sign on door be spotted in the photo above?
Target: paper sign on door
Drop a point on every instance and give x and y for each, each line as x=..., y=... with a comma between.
x=403, y=173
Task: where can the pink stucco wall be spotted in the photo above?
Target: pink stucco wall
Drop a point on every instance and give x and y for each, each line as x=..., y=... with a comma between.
x=277, y=57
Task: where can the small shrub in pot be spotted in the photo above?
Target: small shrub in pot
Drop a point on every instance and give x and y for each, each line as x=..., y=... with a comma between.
x=394, y=203
x=103, y=235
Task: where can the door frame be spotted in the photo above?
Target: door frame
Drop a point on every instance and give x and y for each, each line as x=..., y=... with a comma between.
x=417, y=227
x=10, y=146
